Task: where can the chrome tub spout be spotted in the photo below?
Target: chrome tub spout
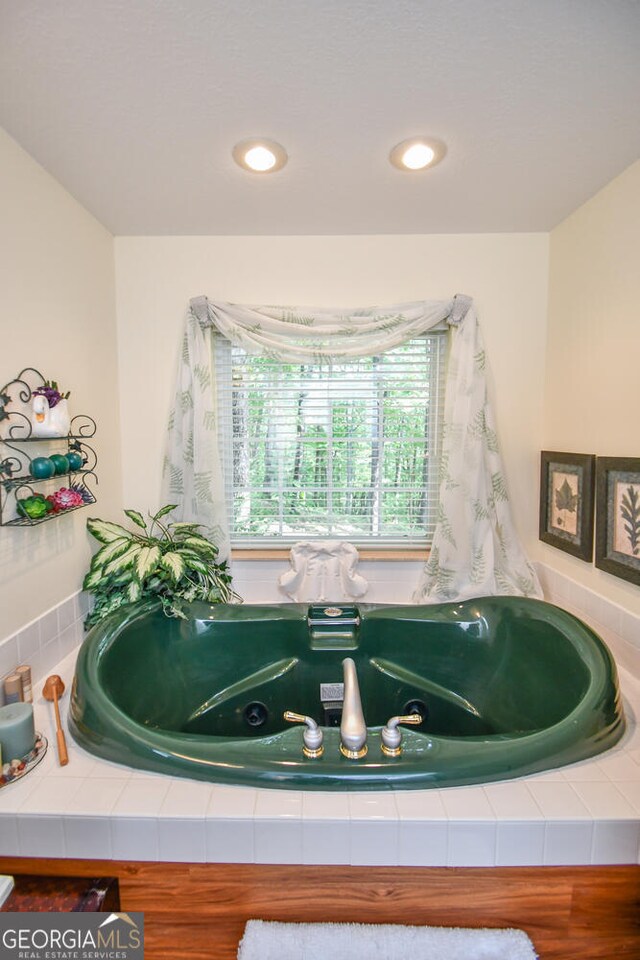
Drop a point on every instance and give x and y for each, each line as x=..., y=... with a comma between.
x=353, y=730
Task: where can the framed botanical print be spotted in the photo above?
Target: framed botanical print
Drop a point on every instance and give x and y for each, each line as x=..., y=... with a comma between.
x=618, y=517
x=566, y=502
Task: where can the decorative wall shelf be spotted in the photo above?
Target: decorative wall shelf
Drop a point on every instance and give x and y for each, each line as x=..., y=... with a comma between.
x=19, y=448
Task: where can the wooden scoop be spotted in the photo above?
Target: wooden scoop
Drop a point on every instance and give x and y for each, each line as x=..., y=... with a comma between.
x=54, y=688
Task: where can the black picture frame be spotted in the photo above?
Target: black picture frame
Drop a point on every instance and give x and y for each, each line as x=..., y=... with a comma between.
x=618, y=517
x=567, y=502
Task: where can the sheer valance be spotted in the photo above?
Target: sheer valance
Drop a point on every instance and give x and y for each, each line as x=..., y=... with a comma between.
x=475, y=550
x=299, y=334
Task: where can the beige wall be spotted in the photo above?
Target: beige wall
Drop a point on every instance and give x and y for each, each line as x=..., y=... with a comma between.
x=506, y=274
x=57, y=314
x=593, y=369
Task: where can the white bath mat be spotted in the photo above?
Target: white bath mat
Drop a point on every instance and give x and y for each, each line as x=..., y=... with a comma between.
x=267, y=940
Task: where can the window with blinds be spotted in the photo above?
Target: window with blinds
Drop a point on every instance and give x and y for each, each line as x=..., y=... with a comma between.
x=347, y=449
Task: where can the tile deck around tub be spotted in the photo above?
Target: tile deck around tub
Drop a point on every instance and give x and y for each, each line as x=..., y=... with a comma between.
x=587, y=813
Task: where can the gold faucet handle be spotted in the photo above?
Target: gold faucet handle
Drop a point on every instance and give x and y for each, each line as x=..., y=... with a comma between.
x=294, y=717
x=412, y=718
x=312, y=736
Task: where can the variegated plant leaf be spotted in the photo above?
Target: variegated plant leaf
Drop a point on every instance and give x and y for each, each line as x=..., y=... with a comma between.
x=122, y=579
x=200, y=545
x=190, y=556
x=134, y=591
x=183, y=526
x=147, y=559
x=174, y=563
x=105, y=531
x=199, y=566
x=110, y=551
x=123, y=561
x=137, y=518
x=92, y=579
x=164, y=511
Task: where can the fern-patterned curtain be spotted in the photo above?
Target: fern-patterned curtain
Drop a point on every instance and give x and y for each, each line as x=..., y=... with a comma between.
x=475, y=550
x=192, y=476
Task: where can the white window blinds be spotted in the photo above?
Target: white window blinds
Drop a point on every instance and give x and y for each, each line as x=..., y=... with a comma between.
x=347, y=449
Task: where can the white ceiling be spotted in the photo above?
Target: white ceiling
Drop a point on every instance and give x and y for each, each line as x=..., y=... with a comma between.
x=135, y=105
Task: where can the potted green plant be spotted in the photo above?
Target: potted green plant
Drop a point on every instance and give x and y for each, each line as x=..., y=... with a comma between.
x=170, y=562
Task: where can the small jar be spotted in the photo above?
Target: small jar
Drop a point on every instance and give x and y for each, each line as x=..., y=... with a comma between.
x=24, y=672
x=12, y=689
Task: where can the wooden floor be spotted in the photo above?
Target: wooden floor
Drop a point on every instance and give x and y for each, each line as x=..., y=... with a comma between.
x=198, y=911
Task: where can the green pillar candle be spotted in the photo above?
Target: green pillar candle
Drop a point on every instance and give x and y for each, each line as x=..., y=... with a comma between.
x=17, y=731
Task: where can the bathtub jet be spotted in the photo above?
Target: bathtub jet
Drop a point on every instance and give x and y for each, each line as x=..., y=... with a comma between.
x=498, y=687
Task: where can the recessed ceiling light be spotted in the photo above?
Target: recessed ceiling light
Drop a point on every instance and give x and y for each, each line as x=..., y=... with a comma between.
x=260, y=156
x=417, y=153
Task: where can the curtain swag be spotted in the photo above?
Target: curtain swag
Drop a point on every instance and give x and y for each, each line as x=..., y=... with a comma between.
x=475, y=550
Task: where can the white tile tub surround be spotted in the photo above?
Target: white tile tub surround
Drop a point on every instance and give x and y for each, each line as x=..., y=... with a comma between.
x=374, y=828
x=278, y=826
x=325, y=828
x=45, y=641
x=619, y=628
x=588, y=813
x=229, y=824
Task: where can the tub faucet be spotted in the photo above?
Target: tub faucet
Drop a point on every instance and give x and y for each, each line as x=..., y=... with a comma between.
x=353, y=730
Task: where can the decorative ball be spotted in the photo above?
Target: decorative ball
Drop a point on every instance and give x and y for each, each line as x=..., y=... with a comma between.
x=42, y=468
x=60, y=462
x=76, y=460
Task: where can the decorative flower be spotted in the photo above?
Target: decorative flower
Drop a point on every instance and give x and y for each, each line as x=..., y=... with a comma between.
x=64, y=499
x=83, y=492
x=51, y=392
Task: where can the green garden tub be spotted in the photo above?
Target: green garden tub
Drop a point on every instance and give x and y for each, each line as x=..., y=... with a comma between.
x=505, y=687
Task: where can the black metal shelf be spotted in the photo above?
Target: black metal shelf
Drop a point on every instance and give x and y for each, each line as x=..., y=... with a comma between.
x=68, y=436
x=16, y=431
x=34, y=481
x=34, y=521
